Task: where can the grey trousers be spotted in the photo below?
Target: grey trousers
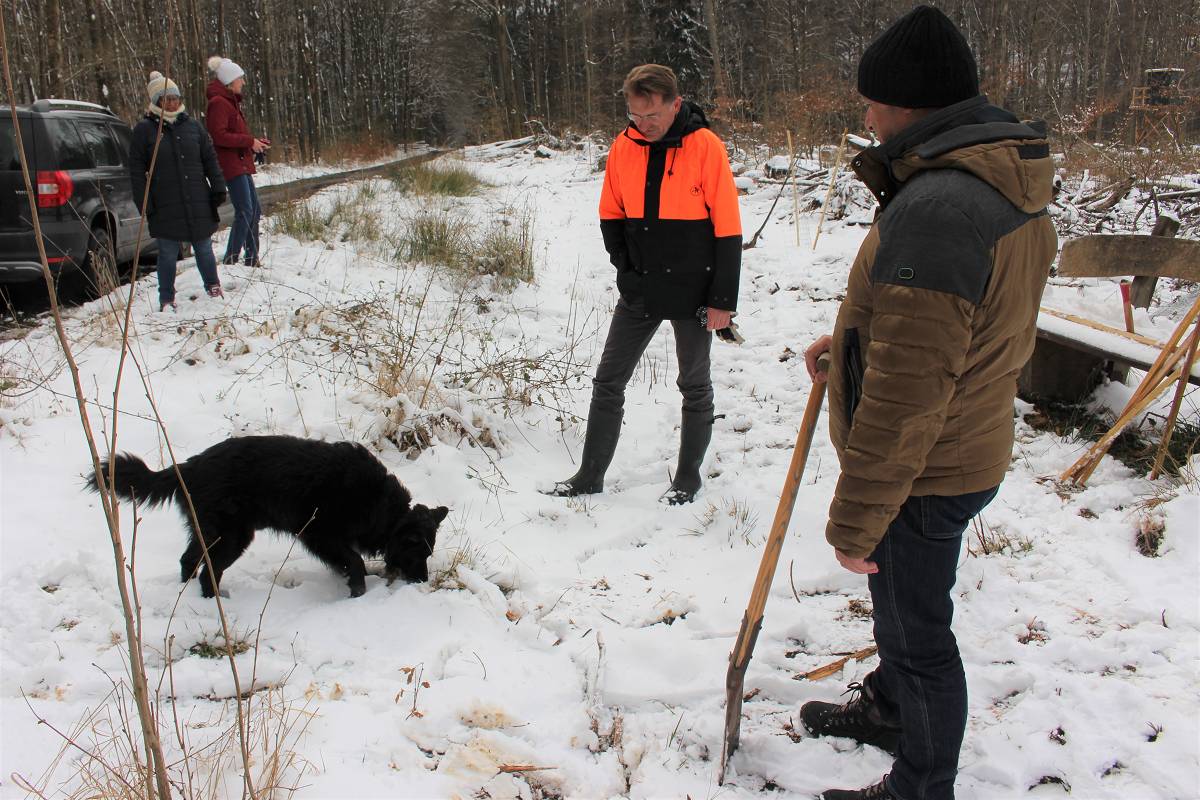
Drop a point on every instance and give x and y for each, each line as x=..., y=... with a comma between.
x=629, y=335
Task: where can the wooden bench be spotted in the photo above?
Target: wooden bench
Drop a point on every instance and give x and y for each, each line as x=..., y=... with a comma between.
x=1072, y=355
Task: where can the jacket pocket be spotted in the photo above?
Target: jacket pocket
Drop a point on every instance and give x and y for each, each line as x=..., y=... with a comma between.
x=853, y=367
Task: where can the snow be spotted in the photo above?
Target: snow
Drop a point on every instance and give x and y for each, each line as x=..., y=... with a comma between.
x=589, y=636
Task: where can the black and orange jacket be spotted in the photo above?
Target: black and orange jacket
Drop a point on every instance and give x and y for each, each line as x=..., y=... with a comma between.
x=670, y=221
x=940, y=315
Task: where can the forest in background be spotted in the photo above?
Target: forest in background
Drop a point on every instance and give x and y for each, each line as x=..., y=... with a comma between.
x=335, y=79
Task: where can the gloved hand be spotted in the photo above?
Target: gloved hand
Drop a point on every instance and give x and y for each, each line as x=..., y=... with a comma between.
x=218, y=198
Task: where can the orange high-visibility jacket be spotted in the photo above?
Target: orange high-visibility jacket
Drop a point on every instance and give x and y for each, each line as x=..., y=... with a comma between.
x=670, y=221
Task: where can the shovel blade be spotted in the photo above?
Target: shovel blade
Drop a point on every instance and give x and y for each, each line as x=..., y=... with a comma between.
x=735, y=688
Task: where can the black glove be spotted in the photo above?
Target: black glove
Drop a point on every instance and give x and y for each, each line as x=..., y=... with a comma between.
x=218, y=198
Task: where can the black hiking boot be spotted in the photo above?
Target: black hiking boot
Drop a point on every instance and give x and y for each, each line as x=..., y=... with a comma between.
x=878, y=791
x=695, y=432
x=862, y=719
x=599, y=444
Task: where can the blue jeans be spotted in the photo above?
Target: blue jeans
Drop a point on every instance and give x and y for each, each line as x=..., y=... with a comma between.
x=920, y=679
x=168, y=255
x=246, y=213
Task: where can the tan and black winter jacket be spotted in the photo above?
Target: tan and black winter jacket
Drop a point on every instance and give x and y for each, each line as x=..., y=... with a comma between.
x=939, y=315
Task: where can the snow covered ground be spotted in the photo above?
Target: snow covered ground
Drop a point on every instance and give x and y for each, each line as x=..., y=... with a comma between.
x=588, y=638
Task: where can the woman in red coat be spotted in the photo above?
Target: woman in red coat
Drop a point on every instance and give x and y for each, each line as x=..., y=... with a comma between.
x=236, y=148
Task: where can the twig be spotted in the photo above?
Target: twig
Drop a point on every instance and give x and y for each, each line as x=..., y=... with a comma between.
x=835, y=666
x=107, y=493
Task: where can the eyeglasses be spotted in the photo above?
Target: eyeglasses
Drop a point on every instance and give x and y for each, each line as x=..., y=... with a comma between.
x=654, y=117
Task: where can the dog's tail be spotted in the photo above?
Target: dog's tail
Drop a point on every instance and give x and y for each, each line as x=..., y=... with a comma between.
x=133, y=480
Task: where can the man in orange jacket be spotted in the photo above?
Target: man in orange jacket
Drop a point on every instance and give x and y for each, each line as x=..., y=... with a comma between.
x=670, y=222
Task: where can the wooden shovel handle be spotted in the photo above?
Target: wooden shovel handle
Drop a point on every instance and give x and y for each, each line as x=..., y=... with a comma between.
x=783, y=512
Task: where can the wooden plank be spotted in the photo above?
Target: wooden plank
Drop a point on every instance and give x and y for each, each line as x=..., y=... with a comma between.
x=1142, y=292
x=1120, y=255
x=1096, y=343
x=1100, y=326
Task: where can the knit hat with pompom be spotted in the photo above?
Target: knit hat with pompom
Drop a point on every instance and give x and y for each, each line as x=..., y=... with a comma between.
x=224, y=70
x=158, y=86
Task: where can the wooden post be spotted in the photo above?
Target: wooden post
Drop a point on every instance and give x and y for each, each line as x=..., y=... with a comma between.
x=1143, y=285
x=1126, y=306
x=1180, y=388
x=795, y=189
x=834, y=169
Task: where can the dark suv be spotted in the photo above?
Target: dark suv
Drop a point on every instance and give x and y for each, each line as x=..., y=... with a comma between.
x=78, y=156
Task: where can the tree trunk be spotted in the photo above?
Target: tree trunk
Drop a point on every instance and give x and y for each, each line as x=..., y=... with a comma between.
x=52, y=82
x=714, y=44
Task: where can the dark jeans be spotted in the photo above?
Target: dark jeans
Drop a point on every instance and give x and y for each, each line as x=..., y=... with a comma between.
x=246, y=213
x=920, y=679
x=629, y=334
x=168, y=256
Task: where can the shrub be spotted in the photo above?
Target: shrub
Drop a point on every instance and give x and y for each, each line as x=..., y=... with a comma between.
x=450, y=180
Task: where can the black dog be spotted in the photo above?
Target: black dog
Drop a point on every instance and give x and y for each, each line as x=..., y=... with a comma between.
x=336, y=497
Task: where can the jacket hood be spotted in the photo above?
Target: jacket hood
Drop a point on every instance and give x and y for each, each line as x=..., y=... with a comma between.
x=690, y=119
x=217, y=89
x=1011, y=156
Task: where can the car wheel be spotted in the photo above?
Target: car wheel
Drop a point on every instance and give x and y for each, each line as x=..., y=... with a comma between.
x=101, y=267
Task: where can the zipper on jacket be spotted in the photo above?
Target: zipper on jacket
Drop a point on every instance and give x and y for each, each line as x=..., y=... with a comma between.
x=656, y=164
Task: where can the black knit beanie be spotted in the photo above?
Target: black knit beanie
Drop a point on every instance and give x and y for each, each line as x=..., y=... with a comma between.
x=921, y=61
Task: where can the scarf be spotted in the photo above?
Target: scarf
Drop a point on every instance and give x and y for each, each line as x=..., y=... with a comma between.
x=168, y=117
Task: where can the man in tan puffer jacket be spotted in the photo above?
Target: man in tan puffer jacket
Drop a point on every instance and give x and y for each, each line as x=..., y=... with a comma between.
x=938, y=320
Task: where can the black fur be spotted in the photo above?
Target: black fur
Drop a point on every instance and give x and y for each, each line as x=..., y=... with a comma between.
x=335, y=497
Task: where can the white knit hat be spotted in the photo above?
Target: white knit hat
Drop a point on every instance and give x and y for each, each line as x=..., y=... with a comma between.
x=226, y=70
x=158, y=86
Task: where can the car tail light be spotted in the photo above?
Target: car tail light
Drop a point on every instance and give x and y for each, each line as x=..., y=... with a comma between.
x=54, y=189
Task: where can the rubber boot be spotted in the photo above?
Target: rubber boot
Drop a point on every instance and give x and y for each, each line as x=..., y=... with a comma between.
x=695, y=432
x=599, y=444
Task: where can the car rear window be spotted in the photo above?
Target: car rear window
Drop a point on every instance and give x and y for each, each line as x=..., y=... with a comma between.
x=100, y=142
x=10, y=160
x=71, y=152
x=124, y=140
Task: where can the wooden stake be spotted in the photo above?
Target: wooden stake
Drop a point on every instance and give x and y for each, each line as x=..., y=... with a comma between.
x=1082, y=469
x=795, y=189
x=1180, y=388
x=1169, y=351
x=833, y=175
x=1127, y=306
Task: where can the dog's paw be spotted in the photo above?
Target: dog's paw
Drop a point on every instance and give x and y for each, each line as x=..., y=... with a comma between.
x=358, y=591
